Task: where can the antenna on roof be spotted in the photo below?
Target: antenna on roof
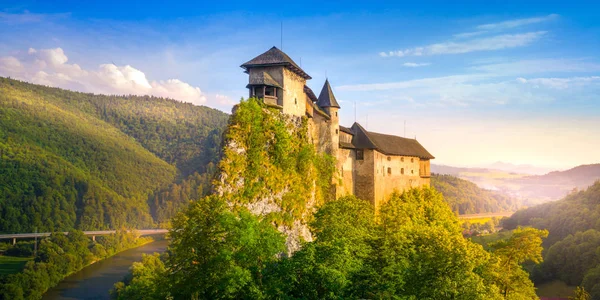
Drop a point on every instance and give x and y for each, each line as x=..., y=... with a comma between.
x=281, y=32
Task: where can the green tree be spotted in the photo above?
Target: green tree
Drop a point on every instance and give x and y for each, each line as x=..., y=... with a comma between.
x=525, y=244
x=147, y=280
x=219, y=254
x=580, y=294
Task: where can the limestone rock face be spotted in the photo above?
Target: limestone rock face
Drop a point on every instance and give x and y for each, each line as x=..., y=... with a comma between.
x=271, y=167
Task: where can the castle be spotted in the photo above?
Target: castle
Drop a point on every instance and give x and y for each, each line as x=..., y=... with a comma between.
x=369, y=165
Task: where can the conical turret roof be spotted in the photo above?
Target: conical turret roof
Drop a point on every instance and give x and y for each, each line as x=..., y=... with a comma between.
x=326, y=98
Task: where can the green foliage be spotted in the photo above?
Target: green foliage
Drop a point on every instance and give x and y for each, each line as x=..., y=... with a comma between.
x=466, y=197
x=525, y=244
x=146, y=282
x=219, y=254
x=573, y=243
x=59, y=256
x=581, y=294
x=412, y=250
x=76, y=160
x=268, y=155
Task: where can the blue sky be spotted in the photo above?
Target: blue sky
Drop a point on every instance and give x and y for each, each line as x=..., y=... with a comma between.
x=476, y=82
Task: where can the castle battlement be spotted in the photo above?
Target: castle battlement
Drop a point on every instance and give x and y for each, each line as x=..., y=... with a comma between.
x=369, y=165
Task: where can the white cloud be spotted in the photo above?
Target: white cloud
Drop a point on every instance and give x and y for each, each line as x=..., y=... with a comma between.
x=482, y=44
x=561, y=83
x=532, y=66
x=51, y=67
x=414, y=65
x=516, y=23
x=481, y=90
x=469, y=34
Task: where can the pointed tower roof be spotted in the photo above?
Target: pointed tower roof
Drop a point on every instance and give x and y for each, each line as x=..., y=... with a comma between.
x=326, y=98
x=275, y=57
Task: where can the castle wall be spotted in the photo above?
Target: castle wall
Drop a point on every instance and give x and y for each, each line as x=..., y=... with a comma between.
x=345, y=167
x=364, y=181
x=396, y=173
x=320, y=130
x=294, y=98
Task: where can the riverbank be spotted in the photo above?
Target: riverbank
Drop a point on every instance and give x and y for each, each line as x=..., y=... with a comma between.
x=60, y=256
x=96, y=281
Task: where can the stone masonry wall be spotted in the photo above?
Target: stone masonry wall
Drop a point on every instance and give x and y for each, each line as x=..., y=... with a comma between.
x=294, y=98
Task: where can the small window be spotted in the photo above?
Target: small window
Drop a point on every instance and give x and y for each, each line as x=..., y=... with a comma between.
x=360, y=154
x=402, y=159
x=336, y=113
x=336, y=131
x=295, y=101
x=412, y=160
x=412, y=171
x=389, y=158
x=402, y=171
x=389, y=170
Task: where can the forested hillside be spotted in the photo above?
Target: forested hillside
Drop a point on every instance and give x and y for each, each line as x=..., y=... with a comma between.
x=573, y=245
x=466, y=197
x=76, y=160
x=273, y=198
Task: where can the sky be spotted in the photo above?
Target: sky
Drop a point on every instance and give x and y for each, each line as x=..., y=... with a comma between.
x=474, y=82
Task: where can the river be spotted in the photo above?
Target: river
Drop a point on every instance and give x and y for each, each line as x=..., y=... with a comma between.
x=96, y=280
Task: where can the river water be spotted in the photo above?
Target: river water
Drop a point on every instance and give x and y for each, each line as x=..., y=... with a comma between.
x=96, y=280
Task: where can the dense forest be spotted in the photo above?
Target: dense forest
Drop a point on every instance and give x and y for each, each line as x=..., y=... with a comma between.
x=76, y=160
x=573, y=246
x=236, y=243
x=465, y=197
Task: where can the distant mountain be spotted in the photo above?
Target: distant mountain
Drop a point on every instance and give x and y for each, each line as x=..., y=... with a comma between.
x=520, y=169
x=530, y=189
x=557, y=184
x=466, y=197
x=77, y=160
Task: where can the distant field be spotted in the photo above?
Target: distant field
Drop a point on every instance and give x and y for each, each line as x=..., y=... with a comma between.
x=11, y=264
x=476, y=220
x=486, y=215
x=555, y=289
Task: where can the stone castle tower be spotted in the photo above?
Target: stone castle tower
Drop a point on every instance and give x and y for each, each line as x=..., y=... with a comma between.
x=369, y=165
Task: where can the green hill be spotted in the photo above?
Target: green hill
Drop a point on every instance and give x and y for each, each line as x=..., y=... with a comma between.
x=466, y=197
x=77, y=160
x=572, y=250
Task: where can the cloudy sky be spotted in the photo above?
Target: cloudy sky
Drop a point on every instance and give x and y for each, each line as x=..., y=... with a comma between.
x=475, y=83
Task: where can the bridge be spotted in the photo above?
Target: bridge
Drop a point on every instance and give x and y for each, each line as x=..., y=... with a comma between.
x=93, y=234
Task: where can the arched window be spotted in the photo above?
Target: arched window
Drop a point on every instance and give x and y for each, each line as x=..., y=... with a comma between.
x=402, y=159
x=389, y=170
x=412, y=160
x=402, y=171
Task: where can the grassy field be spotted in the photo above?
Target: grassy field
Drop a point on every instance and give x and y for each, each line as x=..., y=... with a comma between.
x=11, y=264
x=555, y=289
x=476, y=220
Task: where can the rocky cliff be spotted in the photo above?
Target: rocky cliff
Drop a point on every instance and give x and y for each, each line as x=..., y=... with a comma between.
x=270, y=167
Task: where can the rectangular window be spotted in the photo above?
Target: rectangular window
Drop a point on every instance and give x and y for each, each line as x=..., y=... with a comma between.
x=360, y=154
